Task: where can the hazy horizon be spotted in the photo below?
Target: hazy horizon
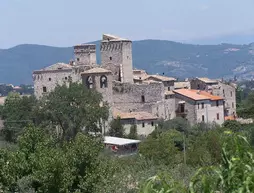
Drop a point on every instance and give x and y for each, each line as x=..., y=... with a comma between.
x=63, y=23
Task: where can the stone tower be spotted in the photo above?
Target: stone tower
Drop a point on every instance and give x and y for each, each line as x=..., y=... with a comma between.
x=116, y=55
x=85, y=54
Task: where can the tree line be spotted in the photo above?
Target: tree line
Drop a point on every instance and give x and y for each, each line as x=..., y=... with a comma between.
x=50, y=149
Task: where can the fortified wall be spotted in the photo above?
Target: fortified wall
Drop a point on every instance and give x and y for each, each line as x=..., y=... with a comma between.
x=129, y=97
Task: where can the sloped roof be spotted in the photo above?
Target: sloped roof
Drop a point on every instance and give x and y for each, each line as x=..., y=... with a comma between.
x=160, y=78
x=230, y=118
x=197, y=95
x=207, y=80
x=119, y=141
x=135, y=115
x=96, y=70
x=58, y=66
x=106, y=37
x=212, y=97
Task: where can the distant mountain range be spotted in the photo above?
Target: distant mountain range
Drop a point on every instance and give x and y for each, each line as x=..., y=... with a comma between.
x=156, y=56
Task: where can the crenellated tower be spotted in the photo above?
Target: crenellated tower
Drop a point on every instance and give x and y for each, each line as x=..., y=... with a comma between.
x=116, y=55
x=85, y=54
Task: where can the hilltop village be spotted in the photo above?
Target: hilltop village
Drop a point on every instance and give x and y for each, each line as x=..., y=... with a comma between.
x=136, y=96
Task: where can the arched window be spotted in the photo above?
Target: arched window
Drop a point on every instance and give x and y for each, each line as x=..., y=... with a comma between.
x=104, y=81
x=89, y=82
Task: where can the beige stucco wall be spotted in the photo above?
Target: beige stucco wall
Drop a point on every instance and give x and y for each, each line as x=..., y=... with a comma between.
x=210, y=111
x=142, y=131
x=195, y=112
x=224, y=90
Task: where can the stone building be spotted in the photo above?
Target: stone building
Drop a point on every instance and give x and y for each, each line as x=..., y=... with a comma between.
x=137, y=97
x=144, y=121
x=199, y=106
x=219, y=88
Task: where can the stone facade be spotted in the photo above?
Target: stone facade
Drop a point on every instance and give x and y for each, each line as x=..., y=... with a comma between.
x=85, y=54
x=137, y=97
x=46, y=80
x=146, y=97
x=218, y=88
x=116, y=55
x=207, y=108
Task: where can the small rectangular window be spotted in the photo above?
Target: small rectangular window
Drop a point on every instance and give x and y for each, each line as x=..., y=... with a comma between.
x=44, y=89
x=143, y=124
x=203, y=118
x=217, y=103
x=233, y=105
x=198, y=105
x=231, y=93
x=142, y=98
x=202, y=105
x=168, y=88
x=78, y=59
x=218, y=116
x=152, y=123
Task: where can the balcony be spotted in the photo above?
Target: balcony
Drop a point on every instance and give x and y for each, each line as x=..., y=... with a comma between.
x=181, y=112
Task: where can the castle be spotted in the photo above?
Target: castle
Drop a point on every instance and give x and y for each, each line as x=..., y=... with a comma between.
x=133, y=95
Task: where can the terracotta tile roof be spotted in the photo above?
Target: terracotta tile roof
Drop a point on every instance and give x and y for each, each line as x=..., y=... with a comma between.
x=212, y=97
x=230, y=118
x=96, y=70
x=160, y=78
x=207, y=80
x=197, y=95
x=135, y=115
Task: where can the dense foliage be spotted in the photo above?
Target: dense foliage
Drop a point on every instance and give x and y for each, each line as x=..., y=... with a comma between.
x=66, y=111
x=53, y=151
x=40, y=164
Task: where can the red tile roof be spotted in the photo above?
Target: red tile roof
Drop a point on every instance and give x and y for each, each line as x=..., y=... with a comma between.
x=135, y=115
x=197, y=94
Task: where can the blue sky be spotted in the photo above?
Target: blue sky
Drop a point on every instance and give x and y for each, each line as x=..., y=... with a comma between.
x=69, y=22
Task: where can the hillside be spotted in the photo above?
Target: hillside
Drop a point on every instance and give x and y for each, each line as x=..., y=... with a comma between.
x=155, y=56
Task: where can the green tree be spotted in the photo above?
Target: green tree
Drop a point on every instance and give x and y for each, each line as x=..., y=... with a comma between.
x=17, y=113
x=41, y=164
x=72, y=109
x=116, y=128
x=246, y=109
x=133, y=132
x=232, y=125
x=180, y=124
x=163, y=148
x=205, y=148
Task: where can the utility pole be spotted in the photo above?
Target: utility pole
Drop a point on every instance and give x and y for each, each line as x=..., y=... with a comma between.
x=184, y=156
x=184, y=150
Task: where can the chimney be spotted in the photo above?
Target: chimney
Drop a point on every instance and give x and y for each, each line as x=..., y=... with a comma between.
x=71, y=62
